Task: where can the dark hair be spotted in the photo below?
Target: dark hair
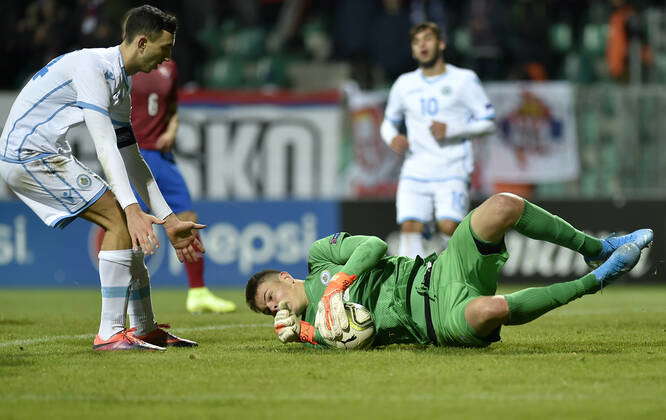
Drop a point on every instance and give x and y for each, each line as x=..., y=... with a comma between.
x=147, y=20
x=253, y=284
x=425, y=26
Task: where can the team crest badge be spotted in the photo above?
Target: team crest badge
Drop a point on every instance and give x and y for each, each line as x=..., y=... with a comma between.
x=83, y=181
x=446, y=90
x=325, y=277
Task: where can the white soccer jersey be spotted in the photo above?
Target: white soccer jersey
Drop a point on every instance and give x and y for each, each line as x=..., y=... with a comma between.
x=454, y=98
x=52, y=102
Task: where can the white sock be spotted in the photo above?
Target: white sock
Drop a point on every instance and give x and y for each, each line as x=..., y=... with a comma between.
x=114, y=276
x=140, y=308
x=411, y=244
x=444, y=239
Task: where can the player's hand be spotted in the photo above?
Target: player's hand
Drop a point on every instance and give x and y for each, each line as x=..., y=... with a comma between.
x=184, y=237
x=331, y=317
x=438, y=130
x=399, y=144
x=289, y=328
x=165, y=142
x=140, y=227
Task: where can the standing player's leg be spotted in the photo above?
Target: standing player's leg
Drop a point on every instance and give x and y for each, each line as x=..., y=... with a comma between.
x=413, y=208
x=497, y=215
x=451, y=199
x=59, y=188
x=199, y=297
x=411, y=239
x=118, y=266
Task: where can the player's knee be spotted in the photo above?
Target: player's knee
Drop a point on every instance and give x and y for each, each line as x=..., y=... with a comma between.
x=496, y=310
x=447, y=227
x=507, y=208
x=111, y=217
x=411, y=226
x=489, y=312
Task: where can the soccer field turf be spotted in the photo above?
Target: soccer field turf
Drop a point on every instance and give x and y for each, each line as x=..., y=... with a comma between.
x=602, y=356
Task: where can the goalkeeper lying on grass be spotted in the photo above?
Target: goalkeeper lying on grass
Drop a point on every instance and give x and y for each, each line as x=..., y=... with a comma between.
x=447, y=299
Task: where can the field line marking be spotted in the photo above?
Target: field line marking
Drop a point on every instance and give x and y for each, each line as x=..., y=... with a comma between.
x=49, y=339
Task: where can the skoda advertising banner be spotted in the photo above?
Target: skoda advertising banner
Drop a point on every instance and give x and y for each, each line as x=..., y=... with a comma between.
x=241, y=238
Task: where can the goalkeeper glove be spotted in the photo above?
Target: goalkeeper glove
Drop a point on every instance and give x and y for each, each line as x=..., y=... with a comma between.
x=331, y=317
x=289, y=328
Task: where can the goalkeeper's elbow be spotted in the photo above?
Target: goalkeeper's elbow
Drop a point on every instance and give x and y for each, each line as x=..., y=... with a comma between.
x=378, y=244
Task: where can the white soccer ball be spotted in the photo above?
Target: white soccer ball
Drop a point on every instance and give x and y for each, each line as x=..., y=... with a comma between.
x=361, y=329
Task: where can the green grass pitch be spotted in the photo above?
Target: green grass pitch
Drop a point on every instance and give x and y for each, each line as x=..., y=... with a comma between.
x=601, y=357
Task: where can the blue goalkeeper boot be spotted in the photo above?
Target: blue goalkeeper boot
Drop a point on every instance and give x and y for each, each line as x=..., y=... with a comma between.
x=641, y=238
x=621, y=261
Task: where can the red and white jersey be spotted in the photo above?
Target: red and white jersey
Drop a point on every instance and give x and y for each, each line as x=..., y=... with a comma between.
x=152, y=97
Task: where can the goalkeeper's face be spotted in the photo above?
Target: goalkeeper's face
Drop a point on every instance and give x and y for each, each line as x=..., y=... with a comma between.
x=427, y=48
x=283, y=288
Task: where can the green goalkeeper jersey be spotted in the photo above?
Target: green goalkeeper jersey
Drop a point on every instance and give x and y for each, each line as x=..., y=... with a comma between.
x=381, y=286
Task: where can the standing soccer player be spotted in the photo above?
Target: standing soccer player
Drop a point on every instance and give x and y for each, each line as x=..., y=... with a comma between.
x=442, y=106
x=155, y=122
x=92, y=86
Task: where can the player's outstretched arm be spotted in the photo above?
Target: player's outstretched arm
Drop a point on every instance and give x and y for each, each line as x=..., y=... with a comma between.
x=183, y=237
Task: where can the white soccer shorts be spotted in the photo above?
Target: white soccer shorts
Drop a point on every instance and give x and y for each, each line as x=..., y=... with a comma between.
x=419, y=200
x=57, y=187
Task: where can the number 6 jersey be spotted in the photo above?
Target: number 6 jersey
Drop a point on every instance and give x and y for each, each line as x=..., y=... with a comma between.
x=153, y=96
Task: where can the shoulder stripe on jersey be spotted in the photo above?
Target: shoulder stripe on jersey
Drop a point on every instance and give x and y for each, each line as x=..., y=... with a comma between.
x=31, y=108
x=37, y=125
x=93, y=107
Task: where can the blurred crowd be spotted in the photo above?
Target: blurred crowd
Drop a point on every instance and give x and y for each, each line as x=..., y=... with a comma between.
x=313, y=43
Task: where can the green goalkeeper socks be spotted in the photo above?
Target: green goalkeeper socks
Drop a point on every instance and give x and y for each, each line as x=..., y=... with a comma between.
x=528, y=304
x=537, y=223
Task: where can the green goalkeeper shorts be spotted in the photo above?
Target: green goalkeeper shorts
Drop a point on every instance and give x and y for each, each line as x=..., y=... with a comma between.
x=460, y=274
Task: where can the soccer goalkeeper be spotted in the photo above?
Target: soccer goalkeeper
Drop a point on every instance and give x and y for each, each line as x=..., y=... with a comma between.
x=447, y=299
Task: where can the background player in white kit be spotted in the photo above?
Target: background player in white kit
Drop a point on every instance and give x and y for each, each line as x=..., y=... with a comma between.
x=442, y=106
x=93, y=86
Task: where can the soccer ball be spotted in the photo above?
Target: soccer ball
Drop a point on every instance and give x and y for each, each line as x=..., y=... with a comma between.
x=361, y=329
